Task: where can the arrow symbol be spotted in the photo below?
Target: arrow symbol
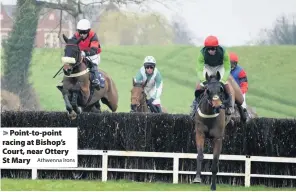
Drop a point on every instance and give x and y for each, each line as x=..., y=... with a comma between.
x=5, y=132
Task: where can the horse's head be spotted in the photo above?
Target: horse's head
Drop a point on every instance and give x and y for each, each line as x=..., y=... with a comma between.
x=72, y=55
x=138, y=96
x=214, y=89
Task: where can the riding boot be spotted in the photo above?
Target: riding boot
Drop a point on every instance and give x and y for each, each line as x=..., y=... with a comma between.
x=242, y=112
x=195, y=102
x=158, y=107
x=229, y=107
x=246, y=114
x=95, y=79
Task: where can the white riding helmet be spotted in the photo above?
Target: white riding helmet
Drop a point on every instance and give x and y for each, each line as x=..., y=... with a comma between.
x=149, y=61
x=83, y=25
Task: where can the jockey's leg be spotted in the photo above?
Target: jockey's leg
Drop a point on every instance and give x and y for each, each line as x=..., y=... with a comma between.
x=244, y=105
x=98, y=79
x=229, y=107
x=157, y=105
x=157, y=93
x=198, y=91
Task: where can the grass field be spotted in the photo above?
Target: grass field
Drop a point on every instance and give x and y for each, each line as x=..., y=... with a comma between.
x=271, y=74
x=72, y=185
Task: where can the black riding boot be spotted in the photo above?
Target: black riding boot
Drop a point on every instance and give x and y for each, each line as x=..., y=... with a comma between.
x=229, y=108
x=158, y=107
x=98, y=79
x=195, y=102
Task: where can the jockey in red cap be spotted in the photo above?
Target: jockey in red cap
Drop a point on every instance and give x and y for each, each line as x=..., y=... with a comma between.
x=240, y=76
x=211, y=59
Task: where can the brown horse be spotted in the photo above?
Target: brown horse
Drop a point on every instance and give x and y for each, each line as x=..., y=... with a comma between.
x=210, y=122
x=78, y=93
x=138, y=98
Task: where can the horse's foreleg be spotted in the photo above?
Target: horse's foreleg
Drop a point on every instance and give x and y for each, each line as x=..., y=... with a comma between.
x=200, y=141
x=74, y=102
x=215, y=163
x=69, y=107
x=66, y=95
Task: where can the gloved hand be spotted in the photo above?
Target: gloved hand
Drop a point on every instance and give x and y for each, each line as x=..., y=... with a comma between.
x=150, y=101
x=83, y=54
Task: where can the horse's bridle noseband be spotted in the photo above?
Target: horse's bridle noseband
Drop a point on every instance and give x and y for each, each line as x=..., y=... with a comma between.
x=77, y=58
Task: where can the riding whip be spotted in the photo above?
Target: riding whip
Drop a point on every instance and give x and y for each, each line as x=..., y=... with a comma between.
x=58, y=72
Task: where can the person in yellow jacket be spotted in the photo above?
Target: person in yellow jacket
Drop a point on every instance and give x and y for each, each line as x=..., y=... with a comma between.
x=212, y=58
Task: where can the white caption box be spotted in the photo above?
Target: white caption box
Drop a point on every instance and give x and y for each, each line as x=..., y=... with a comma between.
x=30, y=147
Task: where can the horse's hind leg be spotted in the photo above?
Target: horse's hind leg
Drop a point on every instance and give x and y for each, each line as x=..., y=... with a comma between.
x=215, y=163
x=200, y=141
x=111, y=106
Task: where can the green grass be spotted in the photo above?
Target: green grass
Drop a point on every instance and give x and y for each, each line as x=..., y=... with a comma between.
x=271, y=74
x=78, y=185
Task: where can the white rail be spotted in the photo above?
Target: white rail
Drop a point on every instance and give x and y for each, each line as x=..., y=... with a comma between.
x=175, y=156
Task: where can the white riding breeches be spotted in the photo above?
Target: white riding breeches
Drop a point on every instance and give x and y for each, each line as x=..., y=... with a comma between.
x=213, y=70
x=151, y=92
x=244, y=105
x=96, y=59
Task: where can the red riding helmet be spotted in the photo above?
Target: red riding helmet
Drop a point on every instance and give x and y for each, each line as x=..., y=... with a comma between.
x=233, y=57
x=211, y=41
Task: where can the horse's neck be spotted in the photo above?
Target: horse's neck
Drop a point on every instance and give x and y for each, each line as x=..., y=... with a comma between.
x=79, y=68
x=144, y=106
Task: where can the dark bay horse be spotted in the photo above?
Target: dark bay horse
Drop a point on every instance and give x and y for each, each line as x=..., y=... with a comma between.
x=138, y=98
x=78, y=93
x=210, y=122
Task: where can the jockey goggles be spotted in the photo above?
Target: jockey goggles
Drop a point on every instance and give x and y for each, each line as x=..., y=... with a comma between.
x=212, y=48
x=149, y=65
x=83, y=32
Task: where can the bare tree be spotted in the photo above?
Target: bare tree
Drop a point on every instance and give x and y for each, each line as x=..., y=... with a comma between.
x=282, y=33
x=182, y=33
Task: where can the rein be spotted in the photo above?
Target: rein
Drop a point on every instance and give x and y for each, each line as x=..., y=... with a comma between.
x=209, y=102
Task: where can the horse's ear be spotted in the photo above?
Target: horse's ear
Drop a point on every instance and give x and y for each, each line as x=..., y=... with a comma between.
x=134, y=82
x=218, y=76
x=78, y=41
x=207, y=76
x=65, y=38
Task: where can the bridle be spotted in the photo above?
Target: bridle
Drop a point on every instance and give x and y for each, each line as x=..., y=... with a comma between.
x=139, y=101
x=78, y=58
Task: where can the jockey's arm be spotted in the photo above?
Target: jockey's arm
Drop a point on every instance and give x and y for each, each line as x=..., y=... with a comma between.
x=158, y=82
x=94, y=46
x=227, y=67
x=200, y=67
x=243, y=81
x=139, y=77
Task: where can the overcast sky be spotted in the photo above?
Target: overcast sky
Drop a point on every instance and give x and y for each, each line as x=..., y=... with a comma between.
x=233, y=21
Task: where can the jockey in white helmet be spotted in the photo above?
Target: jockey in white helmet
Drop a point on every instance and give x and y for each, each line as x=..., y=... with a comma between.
x=91, y=48
x=153, y=88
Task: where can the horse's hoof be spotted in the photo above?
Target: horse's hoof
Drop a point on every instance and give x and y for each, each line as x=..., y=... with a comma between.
x=197, y=180
x=72, y=115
